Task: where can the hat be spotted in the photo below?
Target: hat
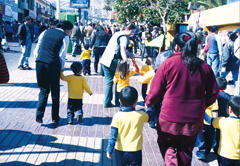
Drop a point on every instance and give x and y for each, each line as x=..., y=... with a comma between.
x=156, y=27
x=237, y=30
x=28, y=18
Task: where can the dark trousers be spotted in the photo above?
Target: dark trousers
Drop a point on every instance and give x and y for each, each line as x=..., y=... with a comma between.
x=144, y=91
x=74, y=105
x=222, y=161
x=117, y=94
x=86, y=66
x=128, y=158
x=205, y=141
x=97, y=53
x=176, y=149
x=48, y=79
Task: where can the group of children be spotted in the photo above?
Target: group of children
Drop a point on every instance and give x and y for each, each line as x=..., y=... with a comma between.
x=127, y=124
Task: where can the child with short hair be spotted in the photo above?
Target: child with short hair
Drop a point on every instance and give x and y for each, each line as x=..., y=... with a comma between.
x=122, y=78
x=86, y=59
x=76, y=86
x=229, y=147
x=126, y=130
x=144, y=69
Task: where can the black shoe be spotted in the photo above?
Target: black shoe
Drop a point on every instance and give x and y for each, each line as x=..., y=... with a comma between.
x=21, y=68
x=79, y=118
x=55, y=120
x=27, y=68
x=39, y=120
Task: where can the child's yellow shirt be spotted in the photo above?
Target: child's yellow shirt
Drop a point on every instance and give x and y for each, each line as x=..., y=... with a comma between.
x=145, y=69
x=76, y=86
x=210, y=109
x=86, y=54
x=147, y=79
x=122, y=83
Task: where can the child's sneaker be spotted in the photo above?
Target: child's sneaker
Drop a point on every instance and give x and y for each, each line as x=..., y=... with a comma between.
x=152, y=124
x=79, y=118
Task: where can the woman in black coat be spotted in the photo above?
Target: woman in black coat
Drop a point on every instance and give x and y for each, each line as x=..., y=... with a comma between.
x=99, y=43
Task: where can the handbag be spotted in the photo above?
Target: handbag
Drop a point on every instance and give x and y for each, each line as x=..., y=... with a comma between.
x=205, y=49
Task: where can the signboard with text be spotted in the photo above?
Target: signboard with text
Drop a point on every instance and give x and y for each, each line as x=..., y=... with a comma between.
x=80, y=4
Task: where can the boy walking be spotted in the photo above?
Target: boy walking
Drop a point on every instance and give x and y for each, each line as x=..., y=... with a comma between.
x=229, y=146
x=126, y=130
x=76, y=86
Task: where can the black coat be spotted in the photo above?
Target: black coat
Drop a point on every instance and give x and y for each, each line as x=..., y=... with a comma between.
x=22, y=33
x=100, y=38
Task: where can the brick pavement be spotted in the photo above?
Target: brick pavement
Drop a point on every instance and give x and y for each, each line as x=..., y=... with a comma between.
x=25, y=142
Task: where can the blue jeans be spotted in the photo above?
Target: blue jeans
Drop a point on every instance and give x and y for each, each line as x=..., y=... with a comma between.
x=117, y=95
x=143, y=51
x=205, y=141
x=86, y=66
x=109, y=73
x=214, y=61
x=235, y=79
x=128, y=158
x=74, y=105
x=75, y=44
x=26, y=52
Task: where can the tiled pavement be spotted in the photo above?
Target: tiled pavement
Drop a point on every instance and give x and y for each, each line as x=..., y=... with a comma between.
x=25, y=142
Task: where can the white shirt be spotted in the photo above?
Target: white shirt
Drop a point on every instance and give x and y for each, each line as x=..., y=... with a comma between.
x=62, y=52
x=112, y=48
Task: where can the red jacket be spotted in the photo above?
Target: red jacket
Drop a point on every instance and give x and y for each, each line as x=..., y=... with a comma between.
x=185, y=95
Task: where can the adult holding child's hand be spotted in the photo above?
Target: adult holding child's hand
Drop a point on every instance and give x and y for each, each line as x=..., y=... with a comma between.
x=115, y=50
x=186, y=85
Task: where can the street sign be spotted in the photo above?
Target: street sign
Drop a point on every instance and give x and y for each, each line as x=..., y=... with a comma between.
x=80, y=4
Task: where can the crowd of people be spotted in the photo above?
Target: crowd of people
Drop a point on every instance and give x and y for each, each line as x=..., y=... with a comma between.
x=181, y=86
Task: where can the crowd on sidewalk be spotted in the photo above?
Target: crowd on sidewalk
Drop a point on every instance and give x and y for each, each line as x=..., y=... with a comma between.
x=182, y=86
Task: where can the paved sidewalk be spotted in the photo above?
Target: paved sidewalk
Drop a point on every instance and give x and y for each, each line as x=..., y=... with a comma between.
x=25, y=142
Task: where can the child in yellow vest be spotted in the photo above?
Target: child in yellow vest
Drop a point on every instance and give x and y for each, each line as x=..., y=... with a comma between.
x=229, y=146
x=86, y=60
x=122, y=78
x=76, y=86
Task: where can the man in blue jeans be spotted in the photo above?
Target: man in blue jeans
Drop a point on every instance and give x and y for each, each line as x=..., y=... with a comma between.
x=25, y=34
x=215, y=50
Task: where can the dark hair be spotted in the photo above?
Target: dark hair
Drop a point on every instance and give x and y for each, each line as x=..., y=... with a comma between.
x=222, y=83
x=128, y=96
x=131, y=26
x=232, y=36
x=99, y=28
x=86, y=46
x=65, y=25
x=188, y=43
x=28, y=18
x=76, y=67
x=234, y=103
x=148, y=61
x=214, y=28
x=123, y=69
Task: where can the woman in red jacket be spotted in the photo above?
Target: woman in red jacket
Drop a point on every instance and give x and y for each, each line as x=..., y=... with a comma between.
x=187, y=85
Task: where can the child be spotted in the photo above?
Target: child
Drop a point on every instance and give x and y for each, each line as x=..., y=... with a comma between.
x=126, y=130
x=229, y=147
x=205, y=139
x=86, y=59
x=76, y=85
x=223, y=99
x=146, y=68
x=121, y=78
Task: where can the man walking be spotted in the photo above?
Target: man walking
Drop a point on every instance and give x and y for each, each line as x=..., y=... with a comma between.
x=75, y=37
x=50, y=54
x=25, y=34
x=215, y=50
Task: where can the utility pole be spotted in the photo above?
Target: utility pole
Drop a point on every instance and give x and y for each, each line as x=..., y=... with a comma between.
x=209, y=4
x=58, y=9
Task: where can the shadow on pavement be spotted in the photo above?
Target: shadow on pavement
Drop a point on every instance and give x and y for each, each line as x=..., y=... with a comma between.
x=20, y=104
x=28, y=85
